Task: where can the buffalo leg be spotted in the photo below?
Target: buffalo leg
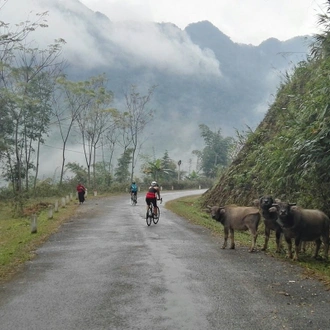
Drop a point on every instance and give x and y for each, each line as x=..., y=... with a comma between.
x=232, y=239
x=278, y=240
x=226, y=238
x=317, y=247
x=325, y=239
x=254, y=235
x=289, y=243
x=297, y=243
x=267, y=234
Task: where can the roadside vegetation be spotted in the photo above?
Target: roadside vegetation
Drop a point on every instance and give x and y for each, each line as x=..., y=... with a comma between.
x=17, y=242
x=191, y=208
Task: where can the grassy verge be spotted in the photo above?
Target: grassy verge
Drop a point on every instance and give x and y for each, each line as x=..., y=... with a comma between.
x=17, y=242
x=189, y=208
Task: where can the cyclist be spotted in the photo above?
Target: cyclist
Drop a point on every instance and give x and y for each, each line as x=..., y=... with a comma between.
x=133, y=190
x=151, y=196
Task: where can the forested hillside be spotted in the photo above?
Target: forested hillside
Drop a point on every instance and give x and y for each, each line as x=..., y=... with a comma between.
x=288, y=156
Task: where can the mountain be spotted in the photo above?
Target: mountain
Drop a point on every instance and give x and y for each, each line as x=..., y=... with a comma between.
x=287, y=157
x=202, y=76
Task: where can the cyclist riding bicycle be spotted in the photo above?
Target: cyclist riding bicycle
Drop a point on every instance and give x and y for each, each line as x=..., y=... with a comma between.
x=151, y=196
x=133, y=190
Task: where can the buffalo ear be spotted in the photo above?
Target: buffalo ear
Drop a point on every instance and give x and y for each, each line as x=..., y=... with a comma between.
x=256, y=202
x=277, y=200
x=208, y=209
x=273, y=208
x=222, y=211
x=293, y=208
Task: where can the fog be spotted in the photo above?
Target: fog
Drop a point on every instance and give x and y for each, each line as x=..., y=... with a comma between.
x=162, y=47
x=94, y=40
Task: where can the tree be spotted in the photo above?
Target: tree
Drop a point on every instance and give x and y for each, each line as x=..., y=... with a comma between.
x=153, y=169
x=80, y=173
x=169, y=167
x=103, y=177
x=199, y=156
x=21, y=69
x=109, y=140
x=26, y=91
x=193, y=176
x=95, y=119
x=122, y=173
x=10, y=38
x=216, y=151
x=159, y=169
x=136, y=117
x=70, y=100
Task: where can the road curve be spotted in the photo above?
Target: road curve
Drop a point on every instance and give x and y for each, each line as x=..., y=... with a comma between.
x=106, y=269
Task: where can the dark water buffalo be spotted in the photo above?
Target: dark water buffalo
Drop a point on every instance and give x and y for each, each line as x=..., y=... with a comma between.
x=270, y=220
x=302, y=225
x=237, y=218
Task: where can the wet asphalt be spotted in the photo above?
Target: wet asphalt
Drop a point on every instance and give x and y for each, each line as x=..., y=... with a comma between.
x=106, y=269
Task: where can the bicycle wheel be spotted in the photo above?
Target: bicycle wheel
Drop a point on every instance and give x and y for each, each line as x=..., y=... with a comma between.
x=155, y=220
x=132, y=200
x=149, y=217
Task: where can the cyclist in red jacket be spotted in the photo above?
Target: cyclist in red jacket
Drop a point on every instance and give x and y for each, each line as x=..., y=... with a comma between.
x=152, y=195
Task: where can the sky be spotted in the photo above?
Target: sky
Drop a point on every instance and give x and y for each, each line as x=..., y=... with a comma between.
x=244, y=21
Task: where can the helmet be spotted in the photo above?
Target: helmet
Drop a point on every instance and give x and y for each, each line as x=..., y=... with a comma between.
x=153, y=183
x=133, y=182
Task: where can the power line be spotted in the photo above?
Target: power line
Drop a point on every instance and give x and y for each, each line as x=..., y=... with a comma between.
x=78, y=152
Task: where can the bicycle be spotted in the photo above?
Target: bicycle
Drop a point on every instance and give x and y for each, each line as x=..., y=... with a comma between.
x=150, y=216
x=133, y=199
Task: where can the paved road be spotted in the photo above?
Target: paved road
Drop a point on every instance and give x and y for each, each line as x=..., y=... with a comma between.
x=106, y=269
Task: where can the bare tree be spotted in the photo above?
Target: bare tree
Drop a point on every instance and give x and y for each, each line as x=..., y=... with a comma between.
x=69, y=101
x=137, y=116
x=95, y=120
x=11, y=37
x=110, y=139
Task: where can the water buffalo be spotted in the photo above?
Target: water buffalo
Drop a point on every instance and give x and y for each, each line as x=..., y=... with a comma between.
x=237, y=218
x=270, y=220
x=302, y=225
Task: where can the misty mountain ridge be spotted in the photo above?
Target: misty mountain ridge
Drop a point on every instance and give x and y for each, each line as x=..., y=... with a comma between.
x=202, y=76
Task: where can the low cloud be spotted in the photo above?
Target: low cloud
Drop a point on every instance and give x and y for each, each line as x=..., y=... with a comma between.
x=94, y=41
x=165, y=47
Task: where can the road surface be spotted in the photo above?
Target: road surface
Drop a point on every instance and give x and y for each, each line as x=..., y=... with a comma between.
x=106, y=269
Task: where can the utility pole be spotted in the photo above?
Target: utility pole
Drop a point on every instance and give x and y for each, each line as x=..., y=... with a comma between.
x=179, y=163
